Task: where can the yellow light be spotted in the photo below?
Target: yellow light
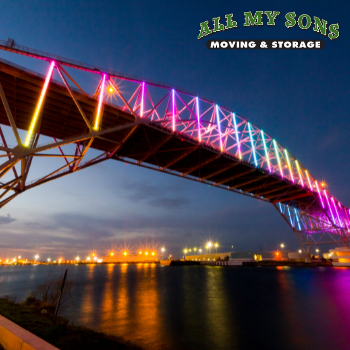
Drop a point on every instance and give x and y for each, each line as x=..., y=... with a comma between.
x=216, y=245
x=323, y=184
x=125, y=253
x=38, y=107
x=77, y=258
x=194, y=249
x=110, y=90
x=185, y=251
x=93, y=254
x=112, y=254
x=146, y=253
x=209, y=244
x=189, y=249
x=140, y=252
x=152, y=253
x=88, y=258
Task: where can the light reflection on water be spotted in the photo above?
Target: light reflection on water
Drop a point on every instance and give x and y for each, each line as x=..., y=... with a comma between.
x=194, y=307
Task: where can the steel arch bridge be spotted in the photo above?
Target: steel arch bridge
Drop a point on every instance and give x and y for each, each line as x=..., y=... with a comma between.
x=158, y=127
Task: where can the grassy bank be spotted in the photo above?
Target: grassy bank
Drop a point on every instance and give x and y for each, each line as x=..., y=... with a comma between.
x=62, y=335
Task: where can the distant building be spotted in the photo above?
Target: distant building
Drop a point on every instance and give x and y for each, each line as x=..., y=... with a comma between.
x=130, y=258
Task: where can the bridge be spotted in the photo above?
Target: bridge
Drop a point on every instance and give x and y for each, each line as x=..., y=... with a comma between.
x=159, y=127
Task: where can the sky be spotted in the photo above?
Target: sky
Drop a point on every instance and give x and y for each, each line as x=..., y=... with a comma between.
x=300, y=97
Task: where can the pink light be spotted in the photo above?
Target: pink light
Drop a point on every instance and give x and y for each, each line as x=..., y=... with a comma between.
x=100, y=102
x=218, y=121
x=173, y=110
x=198, y=120
x=38, y=107
x=336, y=210
x=325, y=193
x=320, y=194
x=142, y=95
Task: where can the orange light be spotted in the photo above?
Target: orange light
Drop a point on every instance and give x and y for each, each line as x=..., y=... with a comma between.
x=323, y=184
x=110, y=90
x=93, y=254
x=152, y=253
x=112, y=254
x=125, y=253
x=140, y=252
x=146, y=253
x=277, y=253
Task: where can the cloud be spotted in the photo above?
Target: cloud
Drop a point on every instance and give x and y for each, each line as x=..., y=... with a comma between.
x=6, y=219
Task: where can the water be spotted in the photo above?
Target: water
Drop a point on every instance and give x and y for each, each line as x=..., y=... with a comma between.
x=197, y=307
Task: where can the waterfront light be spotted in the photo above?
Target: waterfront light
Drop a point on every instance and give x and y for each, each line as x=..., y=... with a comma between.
x=19, y=257
x=282, y=245
x=209, y=244
x=48, y=259
x=125, y=253
x=77, y=258
x=200, y=250
x=317, y=250
x=146, y=253
x=152, y=253
x=299, y=251
x=88, y=258
x=112, y=254
x=140, y=252
x=36, y=257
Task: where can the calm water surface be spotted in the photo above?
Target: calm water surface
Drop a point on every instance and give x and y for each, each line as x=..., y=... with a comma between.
x=197, y=307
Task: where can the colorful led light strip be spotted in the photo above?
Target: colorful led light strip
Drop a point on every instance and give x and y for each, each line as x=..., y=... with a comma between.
x=237, y=138
x=142, y=97
x=300, y=177
x=38, y=107
x=336, y=210
x=296, y=215
x=307, y=175
x=290, y=217
x=325, y=193
x=290, y=168
x=266, y=153
x=218, y=121
x=252, y=143
x=198, y=120
x=278, y=158
x=173, y=110
x=319, y=193
x=97, y=121
x=280, y=207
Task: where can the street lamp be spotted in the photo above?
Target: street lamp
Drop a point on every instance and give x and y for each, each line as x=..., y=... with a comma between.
x=77, y=258
x=282, y=245
x=216, y=247
x=163, y=249
x=209, y=246
x=36, y=257
x=185, y=251
x=200, y=250
x=299, y=251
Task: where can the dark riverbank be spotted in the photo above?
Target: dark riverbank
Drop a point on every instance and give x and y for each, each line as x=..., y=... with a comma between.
x=63, y=335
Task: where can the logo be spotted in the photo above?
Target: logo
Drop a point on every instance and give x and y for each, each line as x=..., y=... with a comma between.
x=260, y=18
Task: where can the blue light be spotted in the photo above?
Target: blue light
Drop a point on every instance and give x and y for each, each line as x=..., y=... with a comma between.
x=296, y=214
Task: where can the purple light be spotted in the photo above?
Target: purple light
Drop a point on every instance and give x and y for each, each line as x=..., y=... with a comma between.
x=336, y=210
x=325, y=193
x=173, y=110
x=142, y=96
x=198, y=121
x=218, y=121
x=319, y=193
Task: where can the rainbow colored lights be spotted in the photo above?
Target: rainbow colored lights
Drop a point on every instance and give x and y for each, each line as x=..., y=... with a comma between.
x=300, y=177
x=252, y=143
x=219, y=128
x=290, y=168
x=237, y=138
x=266, y=153
x=330, y=209
x=142, y=98
x=38, y=107
x=173, y=97
x=198, y=120
x=319, y=193
x=278, y=158
x=99, y=108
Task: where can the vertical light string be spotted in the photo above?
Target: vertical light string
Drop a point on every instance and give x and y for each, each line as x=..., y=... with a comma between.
x=252, y=143
x=99, y=108
x=266, y=153
x=237, y=138
x=330, y=209
x=278, y=158
x=219, y=129
x=38, y=107
x=336, y=210
x=300, y=177
x=296, y=215
x=173, y=96
x=290, y=217
x=290, y=168
x=142, y=97
x=198, y=120
x=307, y=175
x=319, y=193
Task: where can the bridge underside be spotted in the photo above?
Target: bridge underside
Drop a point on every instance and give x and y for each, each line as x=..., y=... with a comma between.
x=124, y=136
x=148, y=144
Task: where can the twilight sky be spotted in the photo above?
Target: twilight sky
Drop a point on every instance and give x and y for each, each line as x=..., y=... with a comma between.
x=299, y=97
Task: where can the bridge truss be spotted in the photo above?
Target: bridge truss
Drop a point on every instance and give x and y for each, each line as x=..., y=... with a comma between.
x=158, y=127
